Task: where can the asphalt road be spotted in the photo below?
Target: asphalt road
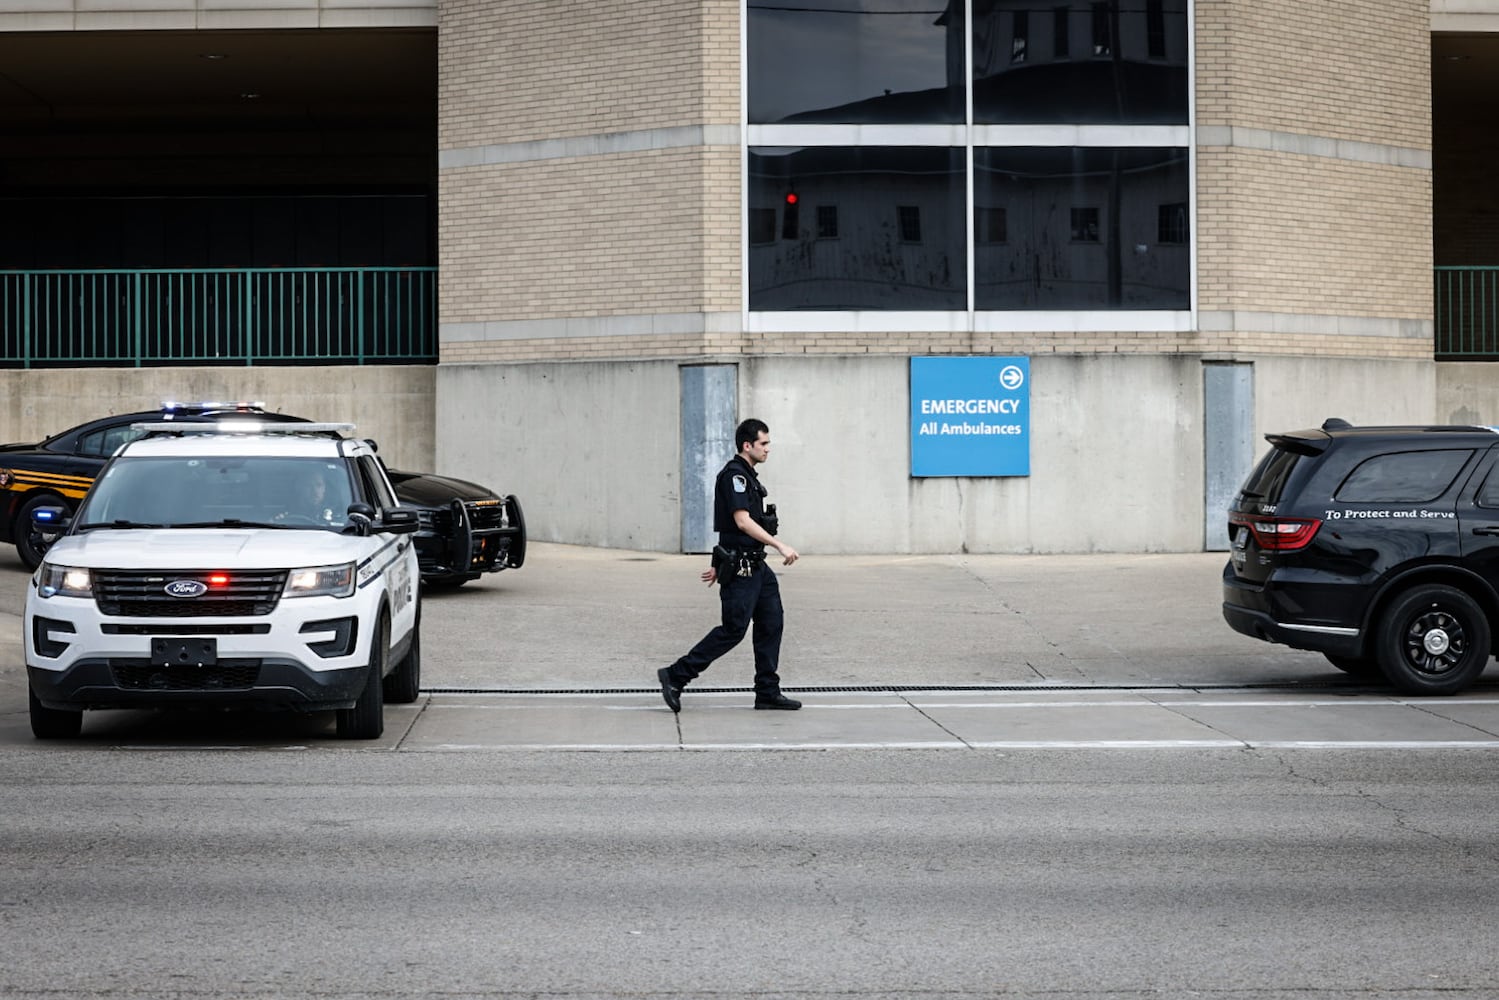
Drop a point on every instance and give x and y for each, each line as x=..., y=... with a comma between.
x=1254, y=826
x=858, y=874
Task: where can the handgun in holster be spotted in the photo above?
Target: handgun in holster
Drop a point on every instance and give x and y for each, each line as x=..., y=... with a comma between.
x=723, y=563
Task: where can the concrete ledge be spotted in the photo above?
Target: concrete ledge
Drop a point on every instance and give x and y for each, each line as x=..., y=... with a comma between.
x=1240, y=137
x=605, y=144
x=589, y=326
x=1215, y=321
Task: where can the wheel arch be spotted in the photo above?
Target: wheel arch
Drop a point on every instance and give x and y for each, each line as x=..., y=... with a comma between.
x=1465, y=580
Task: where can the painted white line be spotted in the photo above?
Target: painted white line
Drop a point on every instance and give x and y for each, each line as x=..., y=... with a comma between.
x=597, y=747
x=977, y=745
x=198, y=748
x=528, y=702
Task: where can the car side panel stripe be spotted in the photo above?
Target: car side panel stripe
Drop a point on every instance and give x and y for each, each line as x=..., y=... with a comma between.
x=376, y=573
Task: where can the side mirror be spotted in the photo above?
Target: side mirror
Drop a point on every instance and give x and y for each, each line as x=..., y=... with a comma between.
x=361, y=516
x=50, y=520
x=400, y=520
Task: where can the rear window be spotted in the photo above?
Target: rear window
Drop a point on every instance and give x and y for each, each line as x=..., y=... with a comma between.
x=1268, y=480
x=1403, y=477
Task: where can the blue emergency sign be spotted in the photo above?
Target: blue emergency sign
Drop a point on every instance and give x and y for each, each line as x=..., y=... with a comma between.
x=971, y=416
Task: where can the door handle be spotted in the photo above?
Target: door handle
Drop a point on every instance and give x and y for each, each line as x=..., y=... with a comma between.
x=1490, y=530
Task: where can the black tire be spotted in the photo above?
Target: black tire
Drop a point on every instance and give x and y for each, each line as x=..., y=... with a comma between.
x=1355, y=666
x=366, y=720
x=404, y=685
x=1433, y=640
x=30, y=545
x=53, y=723
x=515, y=554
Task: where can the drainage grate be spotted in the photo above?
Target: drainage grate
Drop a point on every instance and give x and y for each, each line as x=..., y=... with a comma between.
x=1345, y=685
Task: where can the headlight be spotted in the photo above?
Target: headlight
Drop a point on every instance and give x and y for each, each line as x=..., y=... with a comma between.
x=63, y=581
x=321, y=581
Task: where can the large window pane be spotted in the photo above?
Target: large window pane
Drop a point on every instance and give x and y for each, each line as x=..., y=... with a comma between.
x=855, y=61
x=1082, y=228
x=859, y=228
x=1086, y=62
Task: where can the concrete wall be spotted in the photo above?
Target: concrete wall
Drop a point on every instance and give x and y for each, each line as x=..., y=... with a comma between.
x=211, y=15
x=393, y=404
x=1467, y=393
x=591, y=448
x=1292, y=393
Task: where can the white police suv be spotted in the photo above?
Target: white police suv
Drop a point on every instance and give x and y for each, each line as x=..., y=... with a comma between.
x=229, y=565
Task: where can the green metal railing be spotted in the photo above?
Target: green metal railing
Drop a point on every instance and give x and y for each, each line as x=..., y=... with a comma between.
x=1467, y=313
x=218, y=316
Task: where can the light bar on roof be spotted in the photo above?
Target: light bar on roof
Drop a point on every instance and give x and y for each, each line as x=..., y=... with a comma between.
x=243, y=404
x=244, y=427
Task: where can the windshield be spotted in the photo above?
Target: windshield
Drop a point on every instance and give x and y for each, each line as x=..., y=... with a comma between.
x=262, y=491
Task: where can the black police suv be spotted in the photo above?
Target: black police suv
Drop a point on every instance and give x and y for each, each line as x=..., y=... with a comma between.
x=1375, y=546
x=466, y=529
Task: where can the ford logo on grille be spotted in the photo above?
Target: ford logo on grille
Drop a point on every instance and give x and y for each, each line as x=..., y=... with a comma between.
x=186, y=588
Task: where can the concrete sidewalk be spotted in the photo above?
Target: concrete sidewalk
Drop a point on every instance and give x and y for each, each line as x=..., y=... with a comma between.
x=577, y=619
x=892, y=651
x=585, y=619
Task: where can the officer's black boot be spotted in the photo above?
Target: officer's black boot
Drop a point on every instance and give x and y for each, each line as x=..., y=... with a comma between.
x=671, y=693
x=774, y=699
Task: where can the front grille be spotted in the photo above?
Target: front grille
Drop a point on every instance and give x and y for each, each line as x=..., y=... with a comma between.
x=142, y=594
x=227, y=675
x=486, y=515
x=173, y=628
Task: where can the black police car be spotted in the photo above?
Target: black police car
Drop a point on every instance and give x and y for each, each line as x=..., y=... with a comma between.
x=466, y=529
x=1375, y=546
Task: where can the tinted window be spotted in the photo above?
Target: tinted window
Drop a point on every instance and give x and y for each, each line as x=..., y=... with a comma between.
x=1087, y=63
x=103, y=443
x=1403, y=477
x=1488, y=496
x=1083, y=228
x=290, y=492
x=1268, y=480
x=375, y=484
x=900, y=228
x=854, y=61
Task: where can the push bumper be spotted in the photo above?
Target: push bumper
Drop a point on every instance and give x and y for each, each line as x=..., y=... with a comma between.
x=119, y=682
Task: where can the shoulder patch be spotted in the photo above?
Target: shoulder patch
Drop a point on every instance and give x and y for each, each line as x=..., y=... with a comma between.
x=740, y=484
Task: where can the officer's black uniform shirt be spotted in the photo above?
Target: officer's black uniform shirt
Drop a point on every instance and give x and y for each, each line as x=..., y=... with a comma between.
x=738, y=488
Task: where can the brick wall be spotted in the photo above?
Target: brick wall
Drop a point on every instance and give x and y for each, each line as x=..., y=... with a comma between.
x=1318, y=203
x=1348, y=69
x=547, y=236
x=1332, y=225
x=521, y=70
x=1222, y=345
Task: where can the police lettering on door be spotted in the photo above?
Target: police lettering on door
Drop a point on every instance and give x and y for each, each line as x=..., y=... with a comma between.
x=970, y=416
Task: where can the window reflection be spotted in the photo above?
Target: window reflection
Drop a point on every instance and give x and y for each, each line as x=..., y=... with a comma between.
x=896, y=213
x=855, y=61
x=1083, y=228
x=1122, y=61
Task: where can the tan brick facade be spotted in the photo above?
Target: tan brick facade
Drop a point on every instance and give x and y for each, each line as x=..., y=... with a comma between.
x=589, y=236
x=638, y=232
x=519, y=70
x=1313, y=184
x=1319, y=203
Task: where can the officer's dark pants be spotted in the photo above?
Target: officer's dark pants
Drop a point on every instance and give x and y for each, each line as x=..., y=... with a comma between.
x=744, y=598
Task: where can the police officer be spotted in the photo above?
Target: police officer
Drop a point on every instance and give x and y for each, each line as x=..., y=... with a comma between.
x=747, y=587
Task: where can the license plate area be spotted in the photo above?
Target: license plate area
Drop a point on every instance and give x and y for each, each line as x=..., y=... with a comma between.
x=1240, y=546
x=177, y=651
